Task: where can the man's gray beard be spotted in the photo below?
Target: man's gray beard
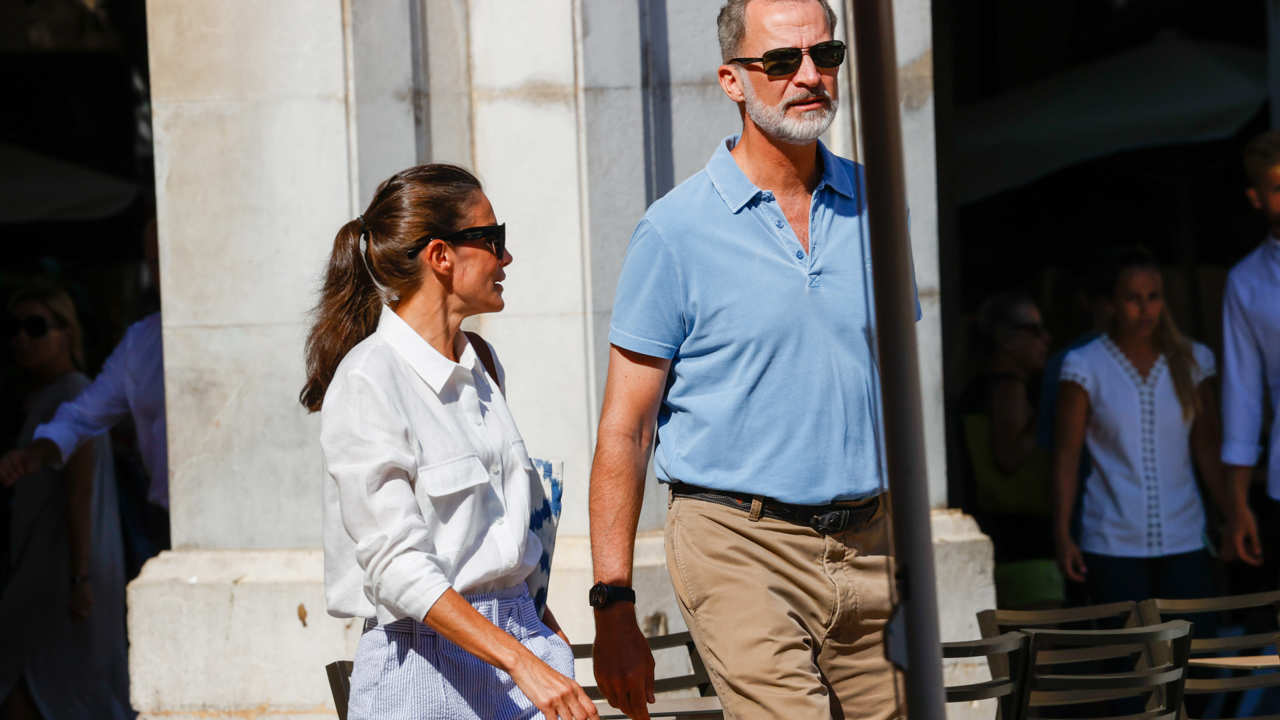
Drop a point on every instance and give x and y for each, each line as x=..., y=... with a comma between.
x=773, y=120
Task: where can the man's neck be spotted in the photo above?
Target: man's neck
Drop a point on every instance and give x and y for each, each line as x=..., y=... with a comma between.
x=782, y=168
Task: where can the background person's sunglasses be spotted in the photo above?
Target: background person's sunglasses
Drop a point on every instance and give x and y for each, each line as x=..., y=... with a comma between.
x=33, y=326
x=785, y=61
x=493, y=236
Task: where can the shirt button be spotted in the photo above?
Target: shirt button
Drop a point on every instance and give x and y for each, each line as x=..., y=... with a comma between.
x=499, y=520
x=799, y=254
x=778, y=224
x=493, y=471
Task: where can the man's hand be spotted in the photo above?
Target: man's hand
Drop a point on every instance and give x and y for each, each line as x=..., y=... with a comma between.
x=622, y=660
x=1240, y=539
x=17, y=464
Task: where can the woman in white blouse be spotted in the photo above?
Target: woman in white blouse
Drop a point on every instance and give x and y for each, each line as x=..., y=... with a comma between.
x=428, y=489
x=1137, y=397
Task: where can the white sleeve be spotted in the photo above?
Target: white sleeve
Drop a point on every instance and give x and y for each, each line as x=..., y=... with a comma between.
x=369, y=453
x=1242, y=382
x=1075, y=369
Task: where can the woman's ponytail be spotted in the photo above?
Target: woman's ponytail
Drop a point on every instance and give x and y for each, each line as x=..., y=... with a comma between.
x=346, y=314
x=371, y=264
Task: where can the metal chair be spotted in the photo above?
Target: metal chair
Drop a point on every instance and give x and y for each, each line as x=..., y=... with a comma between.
x=992, y=623
x=339, y=672
x=1006, y=690
x=1158, y=609
x=1158, y=686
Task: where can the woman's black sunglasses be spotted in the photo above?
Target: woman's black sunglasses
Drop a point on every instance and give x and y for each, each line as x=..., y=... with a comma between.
x=493, y=236
x=33, y=326
x=785, y=61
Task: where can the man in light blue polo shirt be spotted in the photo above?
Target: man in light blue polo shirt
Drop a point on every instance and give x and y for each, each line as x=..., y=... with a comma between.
x=743, y=329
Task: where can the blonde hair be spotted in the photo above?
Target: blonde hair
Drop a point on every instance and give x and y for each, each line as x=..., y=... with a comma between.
x=58, y=303
x=1169, y=340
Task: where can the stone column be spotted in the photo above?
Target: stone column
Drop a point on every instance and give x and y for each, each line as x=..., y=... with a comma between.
x=272, y=123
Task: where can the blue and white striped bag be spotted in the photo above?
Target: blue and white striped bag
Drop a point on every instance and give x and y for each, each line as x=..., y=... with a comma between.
x=543, y=522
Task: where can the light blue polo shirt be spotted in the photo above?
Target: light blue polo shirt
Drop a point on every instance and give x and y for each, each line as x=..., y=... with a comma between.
x=774, y=388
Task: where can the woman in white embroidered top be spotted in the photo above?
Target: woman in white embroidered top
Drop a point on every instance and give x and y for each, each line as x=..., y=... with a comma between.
x=1137, y=397
x=428, y=488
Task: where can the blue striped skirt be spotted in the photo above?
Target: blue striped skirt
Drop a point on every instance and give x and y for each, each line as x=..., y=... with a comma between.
x=406, y=671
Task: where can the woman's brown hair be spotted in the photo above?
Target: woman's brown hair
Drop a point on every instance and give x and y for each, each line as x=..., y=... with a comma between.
x=1169, y=340
x=407, y=208
x=59, y=304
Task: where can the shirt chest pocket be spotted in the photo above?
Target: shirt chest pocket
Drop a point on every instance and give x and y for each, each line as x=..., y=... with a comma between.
x=458, y=502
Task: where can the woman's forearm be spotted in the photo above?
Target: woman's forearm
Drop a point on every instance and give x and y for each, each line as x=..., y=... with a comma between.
x=454, y=618
x=79, y=474
x=1069, y=427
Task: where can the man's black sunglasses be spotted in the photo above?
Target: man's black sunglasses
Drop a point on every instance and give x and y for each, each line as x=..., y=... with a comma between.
x=785, y=61
x=33, y=326
x=493, y=236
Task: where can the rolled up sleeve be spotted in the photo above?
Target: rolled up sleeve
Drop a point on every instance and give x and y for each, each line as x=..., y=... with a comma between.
x=369, y=454
x=1242, y=383
x=648, y=310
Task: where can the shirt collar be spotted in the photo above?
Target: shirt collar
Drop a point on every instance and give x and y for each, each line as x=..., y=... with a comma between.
x=736, y=190
x=434, y=369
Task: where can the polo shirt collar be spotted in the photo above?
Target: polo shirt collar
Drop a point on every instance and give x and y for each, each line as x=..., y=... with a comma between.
x=435, y=369
x=736, y=190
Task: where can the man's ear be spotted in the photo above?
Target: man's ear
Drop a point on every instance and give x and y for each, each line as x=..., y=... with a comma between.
x=1254, y=200
x=730, y=83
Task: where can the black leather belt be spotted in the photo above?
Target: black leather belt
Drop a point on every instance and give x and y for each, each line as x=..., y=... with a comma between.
x=825, y=519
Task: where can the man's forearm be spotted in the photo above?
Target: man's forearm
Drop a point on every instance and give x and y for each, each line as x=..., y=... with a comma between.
x=617, y=492
x=1238, y=478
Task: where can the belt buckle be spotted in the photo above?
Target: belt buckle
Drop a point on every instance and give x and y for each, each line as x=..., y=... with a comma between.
x=830, y=522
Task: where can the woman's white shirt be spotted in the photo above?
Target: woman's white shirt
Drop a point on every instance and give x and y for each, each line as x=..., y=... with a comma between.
x=428, y=484
x=1140, y=498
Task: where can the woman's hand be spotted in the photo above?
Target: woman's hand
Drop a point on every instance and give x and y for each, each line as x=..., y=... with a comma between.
x=1071, y=560
x=558, y=697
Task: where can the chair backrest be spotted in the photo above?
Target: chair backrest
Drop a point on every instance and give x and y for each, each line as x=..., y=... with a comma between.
x=1158, y=685
x=1007, y=689
x=696, y=678
x=1159, y=609
x=992, y=623
x=339, y=672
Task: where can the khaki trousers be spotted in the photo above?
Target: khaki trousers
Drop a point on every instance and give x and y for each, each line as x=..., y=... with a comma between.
x=789, y=622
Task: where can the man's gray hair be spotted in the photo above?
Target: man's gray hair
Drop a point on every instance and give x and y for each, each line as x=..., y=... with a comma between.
x=731, y=24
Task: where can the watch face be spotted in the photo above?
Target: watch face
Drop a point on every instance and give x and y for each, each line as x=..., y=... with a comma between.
x=598, y=596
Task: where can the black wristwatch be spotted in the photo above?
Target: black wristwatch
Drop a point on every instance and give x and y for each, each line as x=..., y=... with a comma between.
x=602, y=596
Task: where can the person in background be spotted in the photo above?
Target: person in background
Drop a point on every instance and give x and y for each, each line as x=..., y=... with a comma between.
x=1251, y=363
x=1017, y=345
x=1011, y=478
x=1138, y=398
x=62, y=613
x=131, y=384
x=429, y=488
